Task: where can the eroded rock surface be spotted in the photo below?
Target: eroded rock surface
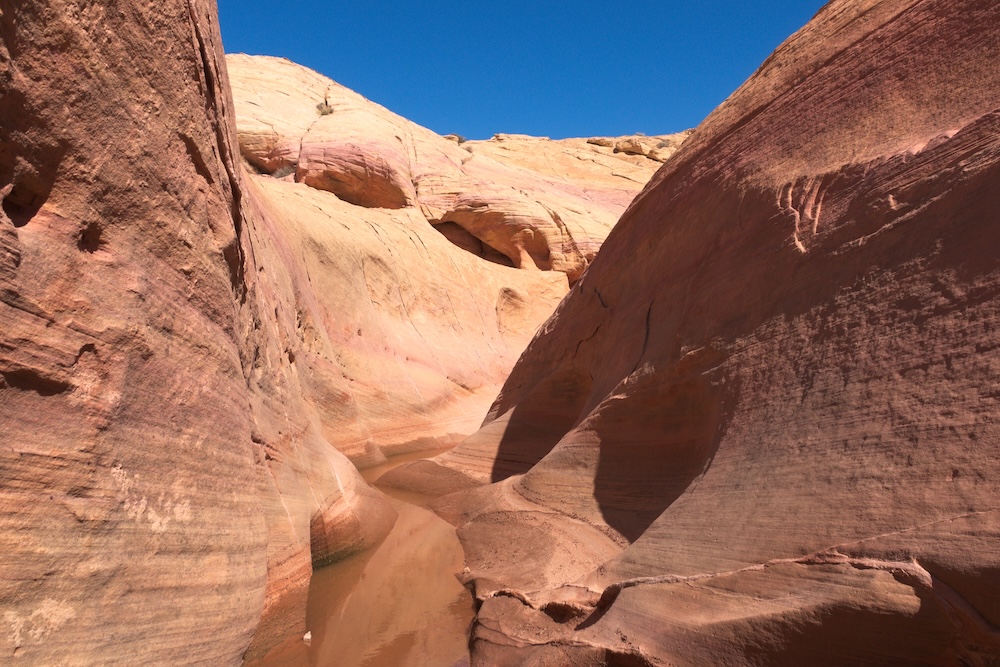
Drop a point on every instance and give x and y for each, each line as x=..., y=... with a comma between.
x=521, y=201
x=399, y=339
x=131, y=525
x=763, y=427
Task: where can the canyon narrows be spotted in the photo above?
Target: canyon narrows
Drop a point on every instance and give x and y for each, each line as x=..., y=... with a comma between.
x=758, y=428
x=427, y=266
x=196, y=358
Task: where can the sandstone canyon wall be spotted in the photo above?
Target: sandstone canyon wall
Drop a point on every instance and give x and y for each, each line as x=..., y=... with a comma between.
x=192, y=355
x=419, y=331
x=132, y=528
x=762, y=429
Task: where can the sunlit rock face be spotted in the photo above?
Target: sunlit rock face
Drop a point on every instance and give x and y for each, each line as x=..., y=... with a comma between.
x=521, y=201
x=415, y=321
x=132, y=524
x=762, y=427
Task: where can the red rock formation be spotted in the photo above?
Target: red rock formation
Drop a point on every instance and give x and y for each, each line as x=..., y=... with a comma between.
x=763, y=427
x=131, y=526
x=165, y=482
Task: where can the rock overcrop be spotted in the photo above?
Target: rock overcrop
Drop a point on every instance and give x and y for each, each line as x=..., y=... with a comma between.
x=521, y=201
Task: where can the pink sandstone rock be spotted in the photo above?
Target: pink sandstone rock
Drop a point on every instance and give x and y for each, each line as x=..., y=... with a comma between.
x=521, y=201
x=762, y=427
x=132, y=526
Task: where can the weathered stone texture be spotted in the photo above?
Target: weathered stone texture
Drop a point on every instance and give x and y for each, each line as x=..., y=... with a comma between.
x=762, y=429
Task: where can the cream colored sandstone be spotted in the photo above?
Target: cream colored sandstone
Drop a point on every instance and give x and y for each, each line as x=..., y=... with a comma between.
x=528, y=202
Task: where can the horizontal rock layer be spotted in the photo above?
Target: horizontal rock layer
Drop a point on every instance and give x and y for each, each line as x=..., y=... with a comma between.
x=131, y=527
x=522, y=201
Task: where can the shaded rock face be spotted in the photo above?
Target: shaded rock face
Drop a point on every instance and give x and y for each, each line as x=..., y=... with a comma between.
x=520, y=201
x=762, y=428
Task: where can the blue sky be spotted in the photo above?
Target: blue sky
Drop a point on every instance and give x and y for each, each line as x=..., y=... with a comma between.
x=558, y=69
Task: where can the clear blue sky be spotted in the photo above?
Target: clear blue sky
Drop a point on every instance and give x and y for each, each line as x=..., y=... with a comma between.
x=557, y=69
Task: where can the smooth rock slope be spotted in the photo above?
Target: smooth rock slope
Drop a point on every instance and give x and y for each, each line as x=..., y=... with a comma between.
x=417, y=331
x=763, y=427
x=519, y=201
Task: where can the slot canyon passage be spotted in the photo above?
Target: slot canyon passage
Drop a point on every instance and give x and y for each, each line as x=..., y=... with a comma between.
x=759, y=427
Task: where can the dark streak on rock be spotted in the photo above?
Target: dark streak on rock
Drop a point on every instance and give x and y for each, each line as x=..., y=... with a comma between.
x=197, y=158
x=30, y=380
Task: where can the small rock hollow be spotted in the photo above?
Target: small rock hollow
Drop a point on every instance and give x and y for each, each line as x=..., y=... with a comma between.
x=91, y=239
x=28, y=380
x=466, y=241
x=22, y=204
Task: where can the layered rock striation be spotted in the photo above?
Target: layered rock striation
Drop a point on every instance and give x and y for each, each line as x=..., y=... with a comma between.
x=132, y=525
x=762, y=429
x=519, y=201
